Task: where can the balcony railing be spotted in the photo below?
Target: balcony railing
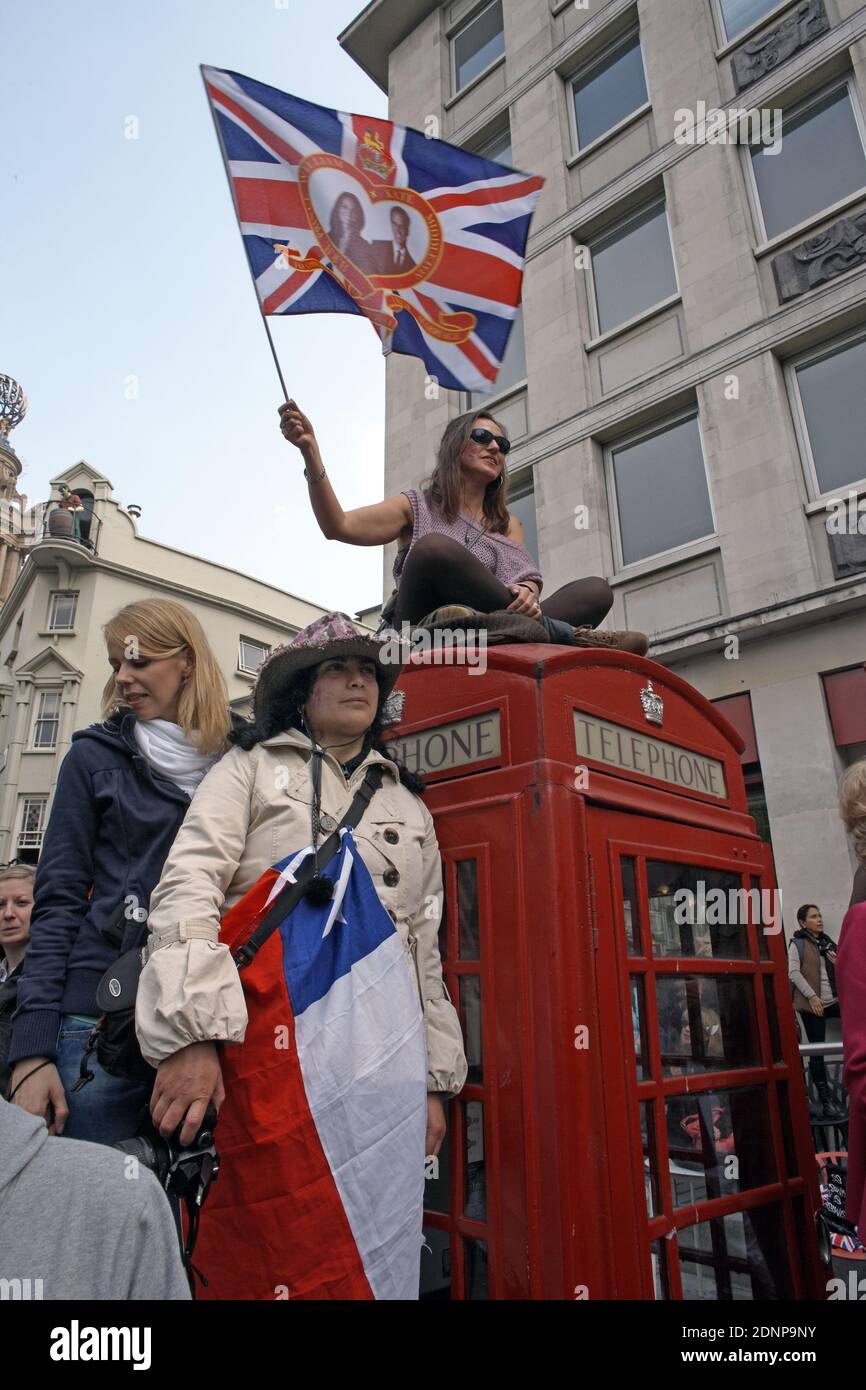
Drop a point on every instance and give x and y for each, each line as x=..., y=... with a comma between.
x=81, y=528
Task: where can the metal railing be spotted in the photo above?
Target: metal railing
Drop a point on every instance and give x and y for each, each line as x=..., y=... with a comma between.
x=79, y=528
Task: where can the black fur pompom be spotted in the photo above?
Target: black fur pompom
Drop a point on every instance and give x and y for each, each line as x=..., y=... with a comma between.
x=320, y=891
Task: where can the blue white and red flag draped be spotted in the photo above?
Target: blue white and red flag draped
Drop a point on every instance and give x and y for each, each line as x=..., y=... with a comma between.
x=356, y=215
x=321, y=1134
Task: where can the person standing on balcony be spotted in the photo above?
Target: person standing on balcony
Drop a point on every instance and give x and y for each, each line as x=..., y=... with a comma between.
x=461, y=552
x=123, y=790
x=71, y=502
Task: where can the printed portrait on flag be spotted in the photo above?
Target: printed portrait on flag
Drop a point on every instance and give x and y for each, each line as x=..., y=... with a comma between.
x=352, y=214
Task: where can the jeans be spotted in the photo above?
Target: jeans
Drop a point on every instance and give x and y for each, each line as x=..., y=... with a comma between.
x=108, y=1108
x=815, y=1026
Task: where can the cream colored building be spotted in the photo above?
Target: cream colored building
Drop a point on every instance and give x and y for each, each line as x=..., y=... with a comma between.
x=53, y=664
x=689, y=365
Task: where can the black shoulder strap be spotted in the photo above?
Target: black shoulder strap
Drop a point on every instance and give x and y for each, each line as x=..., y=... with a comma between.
x=291, y=894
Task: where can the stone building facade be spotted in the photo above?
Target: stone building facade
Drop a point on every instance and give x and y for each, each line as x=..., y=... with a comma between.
x=685, y=381
x=53, y=663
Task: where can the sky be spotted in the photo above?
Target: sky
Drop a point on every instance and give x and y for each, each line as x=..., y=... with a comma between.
x=127, y=312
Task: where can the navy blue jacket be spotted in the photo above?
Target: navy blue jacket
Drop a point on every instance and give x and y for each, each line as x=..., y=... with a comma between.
x=111, y=826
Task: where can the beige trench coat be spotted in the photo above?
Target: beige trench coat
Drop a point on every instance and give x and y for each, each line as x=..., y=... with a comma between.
x=251, y=810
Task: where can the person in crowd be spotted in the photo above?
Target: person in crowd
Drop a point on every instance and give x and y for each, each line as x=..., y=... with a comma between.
x=851, y=982
x=320, y=705
x=852, y=806
x=123, y=790
x=811, y=971
x=72, y=1224
x=16, y=904
x=461, y=552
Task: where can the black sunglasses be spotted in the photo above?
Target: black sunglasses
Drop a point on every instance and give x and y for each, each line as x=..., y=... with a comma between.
x=487, y=436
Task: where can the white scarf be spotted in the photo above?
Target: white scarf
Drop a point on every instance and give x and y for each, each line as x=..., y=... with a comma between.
x=172, y=753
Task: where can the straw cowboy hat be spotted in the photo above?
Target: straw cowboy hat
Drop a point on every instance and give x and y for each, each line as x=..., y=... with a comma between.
x=330, y=636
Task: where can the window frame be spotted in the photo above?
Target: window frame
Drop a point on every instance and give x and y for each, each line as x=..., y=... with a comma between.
x=253, y=642
x=829, y=348
x=657, y=559
x=798, y=108
x=640, y=315
x=39, y=718
x=52, y=598
x=505, y=392
x=483, y=151
x=523, y=480
x=453, y=35
x=587, y=67
x=742, y=35
x=23, y=800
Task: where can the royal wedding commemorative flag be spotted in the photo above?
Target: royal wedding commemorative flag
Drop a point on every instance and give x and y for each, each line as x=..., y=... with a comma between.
x=321, y=1134
x=357, y=215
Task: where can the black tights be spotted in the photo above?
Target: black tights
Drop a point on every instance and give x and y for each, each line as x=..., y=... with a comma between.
x=439, y=570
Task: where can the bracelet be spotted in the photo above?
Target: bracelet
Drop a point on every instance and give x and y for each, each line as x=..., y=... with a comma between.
x=49, y=1061
x=316, y=479
x=522, y=584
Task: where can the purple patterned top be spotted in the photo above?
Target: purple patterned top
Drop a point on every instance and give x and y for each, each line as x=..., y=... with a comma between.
x=509, y=561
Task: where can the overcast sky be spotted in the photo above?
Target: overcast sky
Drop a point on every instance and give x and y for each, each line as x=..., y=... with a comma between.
x=122, y=259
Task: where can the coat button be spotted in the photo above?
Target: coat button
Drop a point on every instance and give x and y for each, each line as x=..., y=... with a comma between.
x=391, y=836
x=327, y=823
x=390, y=878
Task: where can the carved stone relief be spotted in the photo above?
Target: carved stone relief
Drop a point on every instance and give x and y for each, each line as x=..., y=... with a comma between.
x=834, y=251
x=775, y=46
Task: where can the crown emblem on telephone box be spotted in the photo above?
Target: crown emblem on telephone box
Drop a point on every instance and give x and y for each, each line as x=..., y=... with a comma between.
x=653, y=704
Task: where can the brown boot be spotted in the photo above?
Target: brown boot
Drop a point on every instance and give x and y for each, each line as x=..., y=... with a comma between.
x=634, y=642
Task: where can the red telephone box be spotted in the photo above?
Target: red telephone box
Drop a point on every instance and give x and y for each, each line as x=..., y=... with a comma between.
x=634, y=1123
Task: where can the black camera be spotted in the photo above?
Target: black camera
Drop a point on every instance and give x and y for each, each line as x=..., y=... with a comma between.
x=185, y=1171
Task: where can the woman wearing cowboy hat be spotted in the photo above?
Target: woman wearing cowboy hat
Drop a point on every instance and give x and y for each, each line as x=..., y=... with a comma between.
x=319, y=708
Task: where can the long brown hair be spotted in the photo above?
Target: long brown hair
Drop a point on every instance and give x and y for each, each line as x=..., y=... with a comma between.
x=444, y=488
x=162, y=629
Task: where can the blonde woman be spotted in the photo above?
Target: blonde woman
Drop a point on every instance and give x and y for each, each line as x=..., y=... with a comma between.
x=123, y=790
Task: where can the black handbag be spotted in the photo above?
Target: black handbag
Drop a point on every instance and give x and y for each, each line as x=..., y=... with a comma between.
x=113, y=1038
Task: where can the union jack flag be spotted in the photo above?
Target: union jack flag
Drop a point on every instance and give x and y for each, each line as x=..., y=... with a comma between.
x=356, y=215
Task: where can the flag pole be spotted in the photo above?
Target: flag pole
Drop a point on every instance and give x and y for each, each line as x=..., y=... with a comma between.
x=265, y=324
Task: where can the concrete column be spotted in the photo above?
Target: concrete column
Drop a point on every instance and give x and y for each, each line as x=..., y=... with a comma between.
x=798, y=760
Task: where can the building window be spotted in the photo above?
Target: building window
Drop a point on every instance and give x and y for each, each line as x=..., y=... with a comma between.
x=739, y=15
x=31, y=828
x=251, y=654
x=47, y=722
x=498, y=148
x=513, y=369
x=632, y=268
x=659, y=483
x=820, y=160
x=61, y=615
x=477, y=44
x=828, y=388
x=609, y=91
x=521, y=503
